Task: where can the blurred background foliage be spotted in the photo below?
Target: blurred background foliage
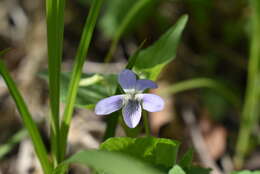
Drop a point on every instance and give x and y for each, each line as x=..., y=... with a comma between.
x=215, y=44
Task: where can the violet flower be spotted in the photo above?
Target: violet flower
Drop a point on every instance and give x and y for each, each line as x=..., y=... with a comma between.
x=132, y=101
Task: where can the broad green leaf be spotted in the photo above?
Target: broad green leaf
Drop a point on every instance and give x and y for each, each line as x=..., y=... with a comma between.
x=152, y=59
x=186, y=159
x=245, y=172
x=176, y=170
x=92, y=88
x=109, y=162
x=159, y=152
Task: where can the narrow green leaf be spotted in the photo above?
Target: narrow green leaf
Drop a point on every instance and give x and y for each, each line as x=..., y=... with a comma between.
x=61, y=168
x=250, y=113
x=152, y=59
x=27, y=120
x=15, y=139
x=117, y=11
x=77, y=69
x=110, y=162
x=134, y=57
x=114, y=13
x=130, y=16
x=55, y=30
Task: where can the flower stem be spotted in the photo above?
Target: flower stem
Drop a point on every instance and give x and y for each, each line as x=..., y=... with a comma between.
x=146, y=124
x=196, y=83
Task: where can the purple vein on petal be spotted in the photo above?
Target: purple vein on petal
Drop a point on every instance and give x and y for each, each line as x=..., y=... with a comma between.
x=132, y=113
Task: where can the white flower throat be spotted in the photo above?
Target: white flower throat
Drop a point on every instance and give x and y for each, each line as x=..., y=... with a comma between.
x=132, y=96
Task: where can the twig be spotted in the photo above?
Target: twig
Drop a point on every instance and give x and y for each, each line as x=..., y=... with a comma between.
x=198, y=141
x=227, y=164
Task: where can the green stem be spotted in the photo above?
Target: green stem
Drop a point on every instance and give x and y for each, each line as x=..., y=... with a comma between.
x=127, y=20
x=146, y=124
x=250, y=114
x=27, y=120
x=204, y=83
x=111, y=121
x=76, y=73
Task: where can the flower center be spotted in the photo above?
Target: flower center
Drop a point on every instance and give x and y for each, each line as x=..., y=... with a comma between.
x=131, y=98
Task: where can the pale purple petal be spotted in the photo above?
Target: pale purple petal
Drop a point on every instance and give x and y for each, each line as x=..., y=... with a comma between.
x=151, y=102
x=109, y=105
x=145, y=84
x=127, y=80
x=132, y=113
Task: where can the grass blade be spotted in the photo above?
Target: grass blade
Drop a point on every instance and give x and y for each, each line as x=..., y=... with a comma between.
x=138, y=6
x=55, y=29
x=8, y=146
x=27, y=120
x=77, y=69
x=250, y=109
